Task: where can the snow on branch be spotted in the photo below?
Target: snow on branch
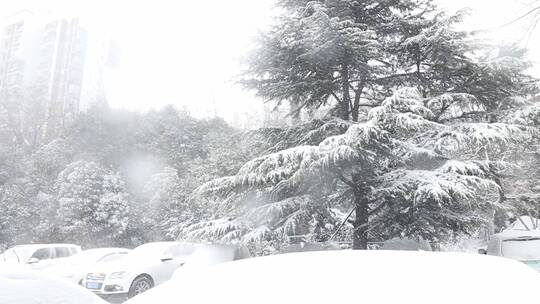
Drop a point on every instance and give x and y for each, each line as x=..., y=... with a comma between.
x=292, y=164
x=335, y=126
x=410, y=153
x=266, y=221
x=477, y=135
x=257, y=235
x=217, y=186
x=271, y=213
x=454, y=105
x=216, y=230
x=273, y=168
x=421, y=186
x=528, y=116
x=483, y=169
x=404, y=112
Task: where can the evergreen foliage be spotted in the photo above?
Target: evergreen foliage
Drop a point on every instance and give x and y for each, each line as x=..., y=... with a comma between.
x=399, y=169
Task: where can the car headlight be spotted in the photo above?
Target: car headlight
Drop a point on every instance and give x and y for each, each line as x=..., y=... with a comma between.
x=117, y=275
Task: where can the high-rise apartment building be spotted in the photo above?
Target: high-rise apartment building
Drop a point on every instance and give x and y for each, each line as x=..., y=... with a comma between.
x=60, y=71
x=11, y=65
x=14, y=39
x=42, y=63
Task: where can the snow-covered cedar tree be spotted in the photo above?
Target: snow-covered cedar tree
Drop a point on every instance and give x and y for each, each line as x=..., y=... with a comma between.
x=93, y=204
x=439, y=59
x=352, y=54
x=393, y=169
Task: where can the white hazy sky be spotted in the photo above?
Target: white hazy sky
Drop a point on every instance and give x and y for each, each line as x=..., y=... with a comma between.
x=186, y=52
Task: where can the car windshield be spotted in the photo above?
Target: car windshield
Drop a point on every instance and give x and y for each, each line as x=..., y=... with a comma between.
x=521, y=249
x=11, y=256
x=19, y=254
x=113, y=257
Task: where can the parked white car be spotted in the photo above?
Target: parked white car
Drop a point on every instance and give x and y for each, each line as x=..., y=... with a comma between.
x=39, y=256
x=76, y=266
x=348, y=276
x=521, y=245
x=143, y=268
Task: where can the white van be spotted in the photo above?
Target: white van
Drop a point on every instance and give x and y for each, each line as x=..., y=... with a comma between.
x=38, y=255
x=521, y=245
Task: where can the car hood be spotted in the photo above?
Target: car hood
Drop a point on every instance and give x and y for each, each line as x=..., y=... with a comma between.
x=125, y=264
x=70, y=270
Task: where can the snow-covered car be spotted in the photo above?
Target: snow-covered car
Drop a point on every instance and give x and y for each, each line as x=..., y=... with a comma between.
x=39, y=256
x=311, y=246
x=521, y=245
x=208, y=255
x=349, y=276
x=143, y=268
x=76, y=266
x=20, y=285
x=406, y=244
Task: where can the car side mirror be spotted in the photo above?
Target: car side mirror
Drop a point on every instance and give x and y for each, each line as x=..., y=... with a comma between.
x=166, y=257
x=33, y=261
x=482, y=251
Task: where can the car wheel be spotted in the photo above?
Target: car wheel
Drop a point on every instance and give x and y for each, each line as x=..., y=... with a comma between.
x=140, y=285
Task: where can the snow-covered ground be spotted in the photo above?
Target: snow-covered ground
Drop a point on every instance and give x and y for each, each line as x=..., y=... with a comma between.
x=20, y=285
x=354, y=277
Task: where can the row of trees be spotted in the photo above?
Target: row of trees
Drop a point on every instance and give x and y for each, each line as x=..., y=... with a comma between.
x=113, y=177
x=431, y=130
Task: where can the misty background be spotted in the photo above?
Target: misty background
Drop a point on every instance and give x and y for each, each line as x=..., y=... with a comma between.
x=124, y=122
x=187, y=54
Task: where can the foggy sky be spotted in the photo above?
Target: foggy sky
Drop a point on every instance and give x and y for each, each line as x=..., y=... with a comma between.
x=186, y=52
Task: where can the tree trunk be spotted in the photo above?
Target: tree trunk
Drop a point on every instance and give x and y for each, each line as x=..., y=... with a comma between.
x=420, y=80
x=356, y=105
x=346, y=100
x=499, y=217
x=361, y=223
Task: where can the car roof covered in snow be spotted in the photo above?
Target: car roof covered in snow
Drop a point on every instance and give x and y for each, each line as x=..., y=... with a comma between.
x=354, y=277
x=44, y=245
x=24, y=252
x=515, y=234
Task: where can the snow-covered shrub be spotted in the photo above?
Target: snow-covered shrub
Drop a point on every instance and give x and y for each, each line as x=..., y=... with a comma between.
x=93, y=204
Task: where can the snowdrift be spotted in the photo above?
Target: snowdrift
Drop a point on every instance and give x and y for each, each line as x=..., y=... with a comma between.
x=354, y=277
x=19, y=285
